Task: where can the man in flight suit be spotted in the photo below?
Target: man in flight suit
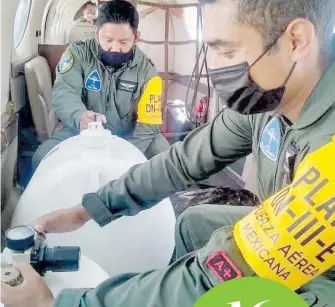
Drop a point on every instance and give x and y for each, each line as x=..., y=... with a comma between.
x=89, y=13
x=109, y=76
x=272, y=66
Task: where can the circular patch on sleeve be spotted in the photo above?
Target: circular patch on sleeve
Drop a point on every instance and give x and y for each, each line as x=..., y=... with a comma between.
x=66, y=62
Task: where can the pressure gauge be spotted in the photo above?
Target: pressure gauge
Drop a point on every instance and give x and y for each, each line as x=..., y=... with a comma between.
x=20, y=237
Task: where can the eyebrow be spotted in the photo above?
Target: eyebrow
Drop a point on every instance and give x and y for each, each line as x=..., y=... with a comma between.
x=222, y=43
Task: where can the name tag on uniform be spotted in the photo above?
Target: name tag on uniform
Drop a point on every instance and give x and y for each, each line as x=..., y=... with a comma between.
x=127, y=86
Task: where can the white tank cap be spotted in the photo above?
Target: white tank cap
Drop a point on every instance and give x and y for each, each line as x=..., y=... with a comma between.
x=95, y=135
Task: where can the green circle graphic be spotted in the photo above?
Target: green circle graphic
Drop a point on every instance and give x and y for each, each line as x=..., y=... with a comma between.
x=250, y=292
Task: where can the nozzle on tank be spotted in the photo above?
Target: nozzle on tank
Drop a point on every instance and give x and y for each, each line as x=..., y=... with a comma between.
x=98, y=118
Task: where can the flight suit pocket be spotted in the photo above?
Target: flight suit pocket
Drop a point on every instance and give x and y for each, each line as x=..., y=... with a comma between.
x=125, y=98
x=221, y=259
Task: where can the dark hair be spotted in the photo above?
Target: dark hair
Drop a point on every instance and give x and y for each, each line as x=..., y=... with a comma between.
x=118, y=11
x=87, y=4
x=271, y=17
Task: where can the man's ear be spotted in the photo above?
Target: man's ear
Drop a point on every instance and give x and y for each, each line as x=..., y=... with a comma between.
x=301, y=34
x=137, y=36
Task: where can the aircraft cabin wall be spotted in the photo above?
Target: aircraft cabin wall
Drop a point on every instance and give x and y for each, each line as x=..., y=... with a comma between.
x=7, y=29
x=28, y=27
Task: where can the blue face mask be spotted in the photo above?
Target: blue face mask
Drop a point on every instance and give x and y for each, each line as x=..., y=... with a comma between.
x=116, y=58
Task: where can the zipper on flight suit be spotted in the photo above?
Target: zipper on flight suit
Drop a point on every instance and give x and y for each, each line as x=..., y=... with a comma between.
x=110, y=80
x=290, y=158
x=282, y=142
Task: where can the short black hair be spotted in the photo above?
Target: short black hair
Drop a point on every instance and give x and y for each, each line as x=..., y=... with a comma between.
x=87, y=4
x=118, y=11
x=271, y=17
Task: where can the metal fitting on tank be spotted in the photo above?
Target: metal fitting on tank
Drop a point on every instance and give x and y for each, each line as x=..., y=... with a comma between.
x=11, y=276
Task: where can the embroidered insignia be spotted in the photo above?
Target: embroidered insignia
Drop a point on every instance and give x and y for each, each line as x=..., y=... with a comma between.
x=270, y=141
x=222, y=267
x=66, y=62
x=127, y=86
x=93, y=82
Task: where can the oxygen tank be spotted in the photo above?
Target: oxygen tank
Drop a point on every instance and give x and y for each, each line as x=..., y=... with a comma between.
x=83, y=164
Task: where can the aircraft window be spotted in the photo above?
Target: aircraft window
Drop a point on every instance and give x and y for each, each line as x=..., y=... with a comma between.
x=21, y=21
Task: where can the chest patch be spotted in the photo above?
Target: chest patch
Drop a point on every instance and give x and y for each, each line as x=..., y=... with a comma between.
x=127, y=86
x=93, y=82
x=270, y=141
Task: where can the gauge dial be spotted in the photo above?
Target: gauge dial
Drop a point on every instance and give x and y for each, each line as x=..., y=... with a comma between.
x=20, y=237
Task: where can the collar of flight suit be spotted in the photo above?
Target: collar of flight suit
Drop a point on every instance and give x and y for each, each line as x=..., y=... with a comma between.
x=320, y=101
x=137, y=58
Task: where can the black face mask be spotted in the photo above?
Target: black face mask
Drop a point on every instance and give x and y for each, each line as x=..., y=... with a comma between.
x=234, y=87
x=116, y=58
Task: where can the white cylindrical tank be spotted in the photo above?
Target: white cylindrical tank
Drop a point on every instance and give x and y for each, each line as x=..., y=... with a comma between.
x=82, y=164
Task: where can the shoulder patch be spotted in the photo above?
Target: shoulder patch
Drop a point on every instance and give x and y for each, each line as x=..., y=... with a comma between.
x=270, y=140
x=66, y=62
x=93, y=82
x=222, y=267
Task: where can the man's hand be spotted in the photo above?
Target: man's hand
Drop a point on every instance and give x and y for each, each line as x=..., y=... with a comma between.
x=64, y=220
x=33, y=292
x=88, y=117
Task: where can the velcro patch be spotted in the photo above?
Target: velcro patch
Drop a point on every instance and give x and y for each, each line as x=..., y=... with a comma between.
x=93, y=82
x=270, y=141
x=66, y=62
x=127, y=86
x=223, y=268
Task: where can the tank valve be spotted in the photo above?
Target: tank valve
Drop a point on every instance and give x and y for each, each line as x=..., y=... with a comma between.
x=97, y=118
x=24, y=244
x=11, y=276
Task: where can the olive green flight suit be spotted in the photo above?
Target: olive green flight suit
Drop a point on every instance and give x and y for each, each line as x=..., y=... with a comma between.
x=81, y=19
x=90, y=33
x=201, y=231
x=85, y=83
